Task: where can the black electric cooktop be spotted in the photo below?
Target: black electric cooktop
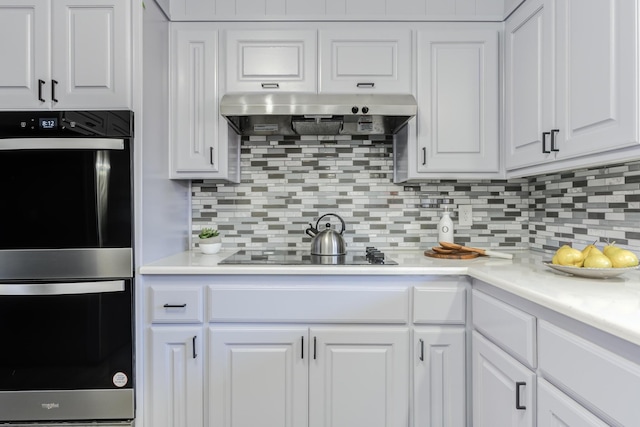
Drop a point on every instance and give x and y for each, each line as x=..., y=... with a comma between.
x=297, y=257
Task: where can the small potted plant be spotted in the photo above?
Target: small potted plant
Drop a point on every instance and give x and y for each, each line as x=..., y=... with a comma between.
x=210, y=242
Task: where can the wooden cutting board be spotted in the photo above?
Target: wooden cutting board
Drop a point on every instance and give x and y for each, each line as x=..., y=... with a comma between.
x=452, y=255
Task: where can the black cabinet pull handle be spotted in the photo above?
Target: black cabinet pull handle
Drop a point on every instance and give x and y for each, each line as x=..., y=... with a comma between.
x=302, y=347
x=544, y=142
x=53, y=90
x=211, y=155
x=270, y=85
x=366, y=85
x=421, y=350
x=518, y=405
x=314, y=348
x=193, y=346
x=424, y=156
x=40, y=84
x=175, y=305
x=553, y=139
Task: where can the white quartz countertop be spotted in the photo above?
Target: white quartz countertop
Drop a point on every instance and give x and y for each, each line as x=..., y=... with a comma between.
x=612, y=304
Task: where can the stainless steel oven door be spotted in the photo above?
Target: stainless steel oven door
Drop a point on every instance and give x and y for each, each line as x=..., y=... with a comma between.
x=67, y=350
x=64, y=193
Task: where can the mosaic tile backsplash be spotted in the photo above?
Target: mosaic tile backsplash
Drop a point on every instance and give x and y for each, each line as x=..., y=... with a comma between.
x=287, y=184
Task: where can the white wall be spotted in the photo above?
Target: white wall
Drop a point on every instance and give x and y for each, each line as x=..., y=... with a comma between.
x=165, y=203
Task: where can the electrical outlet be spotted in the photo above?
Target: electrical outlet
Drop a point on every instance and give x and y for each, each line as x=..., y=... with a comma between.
x=465, y=215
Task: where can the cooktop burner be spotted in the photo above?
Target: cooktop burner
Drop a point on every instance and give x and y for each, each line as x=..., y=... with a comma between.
x=372, y=256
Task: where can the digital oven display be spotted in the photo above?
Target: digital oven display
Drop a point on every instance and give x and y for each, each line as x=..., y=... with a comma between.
x=48, y=123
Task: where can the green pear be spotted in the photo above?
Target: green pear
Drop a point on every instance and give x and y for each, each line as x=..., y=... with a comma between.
x=596, y=259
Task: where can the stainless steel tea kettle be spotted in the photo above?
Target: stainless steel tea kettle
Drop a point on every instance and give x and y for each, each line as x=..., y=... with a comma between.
x=327, y=241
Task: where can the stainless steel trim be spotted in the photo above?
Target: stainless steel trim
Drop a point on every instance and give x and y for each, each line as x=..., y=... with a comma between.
x=57, y=288
x=75, y=424
x=247, y=104
x=334, y=114
x=61, y=144
x=66, y=405
x=56, y=264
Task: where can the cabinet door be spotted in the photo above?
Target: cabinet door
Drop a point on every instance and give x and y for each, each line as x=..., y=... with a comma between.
x=556, y=409
x=529, y=82
x=458, y=95
x=359, y=377
x=194, y=100
x=258, y=377
x=91, y=54
x=366, y=61
x=24, y=49
x=271, y=60
x=597, y=76
x=175, y=377
x=503, y=389
x=202, y=147
x=439, y=392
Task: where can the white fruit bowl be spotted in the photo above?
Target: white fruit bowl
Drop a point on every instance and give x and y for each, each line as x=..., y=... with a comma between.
x=593, y=273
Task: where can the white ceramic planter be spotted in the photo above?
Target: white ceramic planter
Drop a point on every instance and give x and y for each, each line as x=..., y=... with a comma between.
x=210, y=248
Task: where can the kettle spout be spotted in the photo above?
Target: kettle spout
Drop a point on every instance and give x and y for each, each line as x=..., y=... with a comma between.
x=311, y=231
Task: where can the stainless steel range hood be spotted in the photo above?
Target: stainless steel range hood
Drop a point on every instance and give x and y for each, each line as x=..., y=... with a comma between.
x=317, y=114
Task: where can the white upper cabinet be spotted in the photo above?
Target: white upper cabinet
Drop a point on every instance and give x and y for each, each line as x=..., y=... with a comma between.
x=73, y=54
x=529, y=82
x=571, y=84
x=201, y=144
x=24, y=47
x=271, y=60
x=597, y=75
x=334, y=10
x=366, y=61
x=458, y=107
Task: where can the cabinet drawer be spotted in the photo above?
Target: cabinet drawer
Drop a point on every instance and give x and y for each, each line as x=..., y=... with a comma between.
x=336, y=305
x=599, y=379
x=176, y=304
x=510, y=328
x=439, y=305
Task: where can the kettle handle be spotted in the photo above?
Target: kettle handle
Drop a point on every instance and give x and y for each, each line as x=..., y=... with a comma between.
x=331, y=214
x=311, y=231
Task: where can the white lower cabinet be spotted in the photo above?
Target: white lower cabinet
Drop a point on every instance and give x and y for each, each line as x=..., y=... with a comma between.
x=258, y=376
x=557, y=409
x=292, y=353
x=359, y=376
x=175, y=376
x=271, y=376
x=439, y=377
x=503, y=389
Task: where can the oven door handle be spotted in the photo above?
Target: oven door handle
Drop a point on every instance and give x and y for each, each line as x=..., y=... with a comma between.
x=62, y=144
x=59, y=288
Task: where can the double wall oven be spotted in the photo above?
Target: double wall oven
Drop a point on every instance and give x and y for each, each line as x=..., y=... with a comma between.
x=66, y=268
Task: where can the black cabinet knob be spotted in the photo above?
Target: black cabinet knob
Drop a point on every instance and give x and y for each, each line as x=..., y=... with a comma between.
x=365, y=110
x=354, y=110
